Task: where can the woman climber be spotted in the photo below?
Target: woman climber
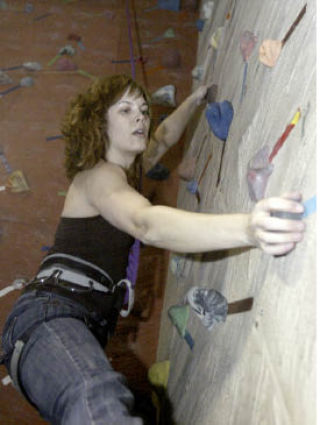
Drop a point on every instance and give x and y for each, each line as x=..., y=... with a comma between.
x=54, y=336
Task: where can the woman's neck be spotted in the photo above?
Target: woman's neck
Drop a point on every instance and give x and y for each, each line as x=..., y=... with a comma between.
x=117, y=158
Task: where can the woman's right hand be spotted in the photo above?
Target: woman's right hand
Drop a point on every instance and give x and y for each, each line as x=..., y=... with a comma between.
x=276, y=236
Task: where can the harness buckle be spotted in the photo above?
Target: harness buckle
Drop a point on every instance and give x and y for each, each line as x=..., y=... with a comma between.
x=124, y=312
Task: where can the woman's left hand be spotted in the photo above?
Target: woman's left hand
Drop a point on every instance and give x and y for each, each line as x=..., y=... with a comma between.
x=199, y=95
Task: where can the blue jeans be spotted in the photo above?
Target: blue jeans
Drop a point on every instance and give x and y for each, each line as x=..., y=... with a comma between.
x=63, y=369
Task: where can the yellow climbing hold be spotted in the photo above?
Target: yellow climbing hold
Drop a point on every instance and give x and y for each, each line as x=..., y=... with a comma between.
x=158, y=374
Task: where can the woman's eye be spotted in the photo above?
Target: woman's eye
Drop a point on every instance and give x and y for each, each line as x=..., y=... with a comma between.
x=125, y=111
x=145, y=112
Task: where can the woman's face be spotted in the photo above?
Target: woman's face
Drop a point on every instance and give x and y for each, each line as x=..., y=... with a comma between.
x=128, y=123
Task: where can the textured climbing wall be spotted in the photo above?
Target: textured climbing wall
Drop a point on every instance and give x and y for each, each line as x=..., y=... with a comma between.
x=258, y=367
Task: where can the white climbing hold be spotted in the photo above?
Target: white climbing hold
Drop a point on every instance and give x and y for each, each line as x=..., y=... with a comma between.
x=164, y=96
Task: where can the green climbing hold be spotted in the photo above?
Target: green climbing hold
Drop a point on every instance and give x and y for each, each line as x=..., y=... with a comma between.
x=179, y=315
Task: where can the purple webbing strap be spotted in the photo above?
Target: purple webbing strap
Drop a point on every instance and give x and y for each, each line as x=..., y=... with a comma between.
x=134, y=254
x=132, y=61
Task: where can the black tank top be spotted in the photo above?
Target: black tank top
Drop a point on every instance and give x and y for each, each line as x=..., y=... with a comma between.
x=95, y=240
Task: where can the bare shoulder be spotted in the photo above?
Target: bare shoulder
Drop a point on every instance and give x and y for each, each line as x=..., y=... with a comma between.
x=108, y=193
x=104, y=176
x=89, y=185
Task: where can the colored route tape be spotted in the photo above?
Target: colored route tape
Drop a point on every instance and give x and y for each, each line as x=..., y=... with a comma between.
x=310, y=206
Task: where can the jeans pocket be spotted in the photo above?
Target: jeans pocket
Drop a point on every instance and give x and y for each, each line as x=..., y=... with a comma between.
x=7, y=340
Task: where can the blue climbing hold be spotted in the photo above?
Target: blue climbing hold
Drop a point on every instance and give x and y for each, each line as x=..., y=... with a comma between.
x=158, y=172
x=200, y=24
x=192, y=186
x=219, y=116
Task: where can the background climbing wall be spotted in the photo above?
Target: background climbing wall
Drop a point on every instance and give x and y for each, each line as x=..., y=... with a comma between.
x=30, y=119
x=258, y=367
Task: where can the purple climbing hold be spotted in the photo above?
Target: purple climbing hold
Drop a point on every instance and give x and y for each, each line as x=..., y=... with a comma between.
x=259, y=171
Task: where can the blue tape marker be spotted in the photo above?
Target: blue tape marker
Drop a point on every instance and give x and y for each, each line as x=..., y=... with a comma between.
x=45, y=248
x=189, y=340
x=310, y=206
x=48, y=139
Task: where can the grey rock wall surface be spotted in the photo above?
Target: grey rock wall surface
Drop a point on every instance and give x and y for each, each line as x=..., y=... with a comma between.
x=258, y=367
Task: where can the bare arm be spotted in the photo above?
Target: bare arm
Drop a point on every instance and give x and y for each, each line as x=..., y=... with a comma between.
x=183, y=231
x=171, y=129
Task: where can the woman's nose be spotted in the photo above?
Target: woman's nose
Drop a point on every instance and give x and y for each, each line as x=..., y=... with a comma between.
x=139, y=117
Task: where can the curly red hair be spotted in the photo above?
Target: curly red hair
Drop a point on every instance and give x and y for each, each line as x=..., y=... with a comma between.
x=84, y=124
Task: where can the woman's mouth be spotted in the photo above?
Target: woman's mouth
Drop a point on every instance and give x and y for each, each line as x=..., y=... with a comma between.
x=139, y=132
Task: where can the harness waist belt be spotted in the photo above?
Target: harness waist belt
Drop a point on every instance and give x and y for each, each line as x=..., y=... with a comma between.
x=78, y=265
x=71, y=276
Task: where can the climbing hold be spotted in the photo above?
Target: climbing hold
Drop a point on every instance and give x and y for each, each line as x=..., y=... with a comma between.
x=212, y=93
x=215, y=38
x=164, y=96
x=65, y=50
x=219, y=116
x=258, y=173
x=179, y=315
x=197, y=72
x=209, y=305
x=177, y=265
x=24, y=82
x=260, y=167
x=193, y=185
x=29, y=66
x=5, y=79
x=28, y=8
x=77, y=38
x=65, y=64
x=17, y=182
x=270, y=50
x=4, y=161
x=200, y=24
x=158, y=172
x=158, y=373
x=173, y=5
x=207, y=9
x=247, y=43
x=169, y=33
x=32, y=66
